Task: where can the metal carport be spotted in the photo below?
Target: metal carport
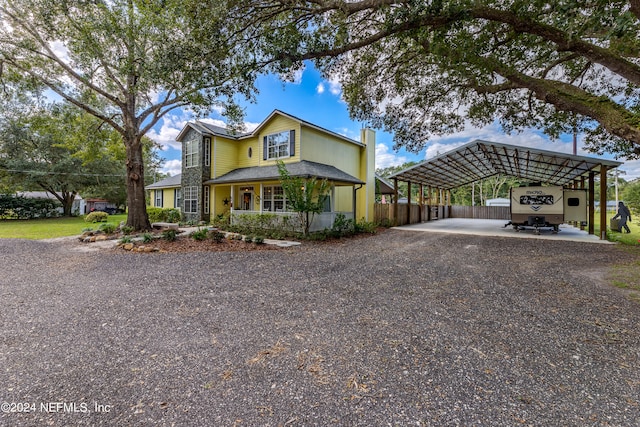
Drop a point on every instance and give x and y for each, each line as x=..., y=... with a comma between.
x=479, y=159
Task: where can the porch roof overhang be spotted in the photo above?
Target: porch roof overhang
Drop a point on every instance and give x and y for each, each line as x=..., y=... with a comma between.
x=479, y=159
x=302, y=169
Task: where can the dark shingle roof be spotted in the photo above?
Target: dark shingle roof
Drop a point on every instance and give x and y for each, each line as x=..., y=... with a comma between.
x=305, y=169
x=172, y=181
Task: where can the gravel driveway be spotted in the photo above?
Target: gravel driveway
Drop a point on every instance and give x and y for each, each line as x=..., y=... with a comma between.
x=401, y=328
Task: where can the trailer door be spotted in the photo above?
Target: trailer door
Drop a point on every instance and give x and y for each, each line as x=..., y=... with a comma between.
x=575, y=205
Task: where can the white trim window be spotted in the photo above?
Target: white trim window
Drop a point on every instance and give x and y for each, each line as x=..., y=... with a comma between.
x=191, y=153
x=205, y=198
x=207, y=151
x=158, y=201
x=191, y=199
x=279, y=145
x=177, y=198
x=273, y=199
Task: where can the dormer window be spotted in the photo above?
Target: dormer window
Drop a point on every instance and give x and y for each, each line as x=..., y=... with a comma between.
x=279, y=145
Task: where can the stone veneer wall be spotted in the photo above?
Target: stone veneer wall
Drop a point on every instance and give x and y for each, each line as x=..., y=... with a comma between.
x=195, y=176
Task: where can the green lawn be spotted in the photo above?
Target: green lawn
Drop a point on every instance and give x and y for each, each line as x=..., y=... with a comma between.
x=49, y=228
x=632, y=238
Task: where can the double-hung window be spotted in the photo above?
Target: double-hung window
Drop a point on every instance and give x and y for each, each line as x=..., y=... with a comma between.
x=279, y=145
x=158, y=201
x=177, y=198
x=191, y=153
x=205, y=198
x=191, y=199
x=273, y=199
x=207, y=151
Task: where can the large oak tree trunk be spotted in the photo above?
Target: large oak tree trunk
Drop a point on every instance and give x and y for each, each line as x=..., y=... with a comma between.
x=136, y=199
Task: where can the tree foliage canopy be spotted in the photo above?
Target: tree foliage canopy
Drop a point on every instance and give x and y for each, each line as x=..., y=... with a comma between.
x=127, y=62
x=419, y=68
x=65, y=151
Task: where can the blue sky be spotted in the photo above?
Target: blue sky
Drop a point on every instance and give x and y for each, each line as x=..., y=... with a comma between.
x=314, y=99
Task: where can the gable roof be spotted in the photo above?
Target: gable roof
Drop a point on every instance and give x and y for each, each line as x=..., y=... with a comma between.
x=303, y=169
x=209, y=129
x=303, y=123
x=172, y=181
x=482, y=159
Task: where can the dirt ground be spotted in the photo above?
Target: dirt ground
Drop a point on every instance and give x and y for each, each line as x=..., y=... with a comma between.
x=399, y=328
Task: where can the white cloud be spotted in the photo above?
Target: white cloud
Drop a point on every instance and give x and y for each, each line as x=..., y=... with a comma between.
x=632, y=169
x=527, y=138
x=215, y=122
x=60, y=50
x=335, y=87
x=172, y=167
x=386, y=158
x=166, y=135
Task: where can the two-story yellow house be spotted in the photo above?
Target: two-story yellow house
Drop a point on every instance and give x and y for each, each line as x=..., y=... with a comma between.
x=237, y=173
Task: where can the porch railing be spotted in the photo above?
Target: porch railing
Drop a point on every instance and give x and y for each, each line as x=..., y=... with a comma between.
x=320, y=221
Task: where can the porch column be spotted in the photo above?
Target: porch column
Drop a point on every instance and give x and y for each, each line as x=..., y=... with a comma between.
x=603, y=202
x=233, y=191
x=261, y=197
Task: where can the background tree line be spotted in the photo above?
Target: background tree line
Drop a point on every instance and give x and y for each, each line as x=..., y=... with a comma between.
x=59, y=148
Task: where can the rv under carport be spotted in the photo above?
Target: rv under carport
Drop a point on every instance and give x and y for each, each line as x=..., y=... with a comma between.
x=479, y=160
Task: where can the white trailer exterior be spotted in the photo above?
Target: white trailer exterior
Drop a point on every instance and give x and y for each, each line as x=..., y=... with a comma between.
x=546, y=207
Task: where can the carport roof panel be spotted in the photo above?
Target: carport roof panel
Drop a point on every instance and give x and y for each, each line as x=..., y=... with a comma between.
x=482, y=159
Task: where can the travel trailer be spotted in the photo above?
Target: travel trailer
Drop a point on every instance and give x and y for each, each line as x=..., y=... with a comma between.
x=546, y=207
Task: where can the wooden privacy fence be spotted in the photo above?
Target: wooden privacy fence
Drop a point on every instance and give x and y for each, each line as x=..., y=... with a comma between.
x=384, y=213
x=481, y=212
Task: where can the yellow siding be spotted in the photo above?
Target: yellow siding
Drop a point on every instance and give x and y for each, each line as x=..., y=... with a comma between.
x=168, y=197
x=366, y=196
x=217, y=195
x=244, y=161
x=344, y=199
x=323, y=148
x=225, y=156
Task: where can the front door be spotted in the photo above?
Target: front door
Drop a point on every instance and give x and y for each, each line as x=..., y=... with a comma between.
x=246, y=201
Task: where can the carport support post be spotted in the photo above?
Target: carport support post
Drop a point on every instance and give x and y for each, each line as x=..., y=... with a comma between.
x=421, y=203
x=592, y=204
x=395, y=202
x=408, y=202
x=581, y=186
x=603, y=202
x=429, y=202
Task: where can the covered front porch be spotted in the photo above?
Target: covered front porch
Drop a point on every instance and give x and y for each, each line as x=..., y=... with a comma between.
x=258, y=191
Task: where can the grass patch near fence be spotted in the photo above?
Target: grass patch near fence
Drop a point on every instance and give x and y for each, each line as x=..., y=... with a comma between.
x=37, y=229
x=632, y=239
